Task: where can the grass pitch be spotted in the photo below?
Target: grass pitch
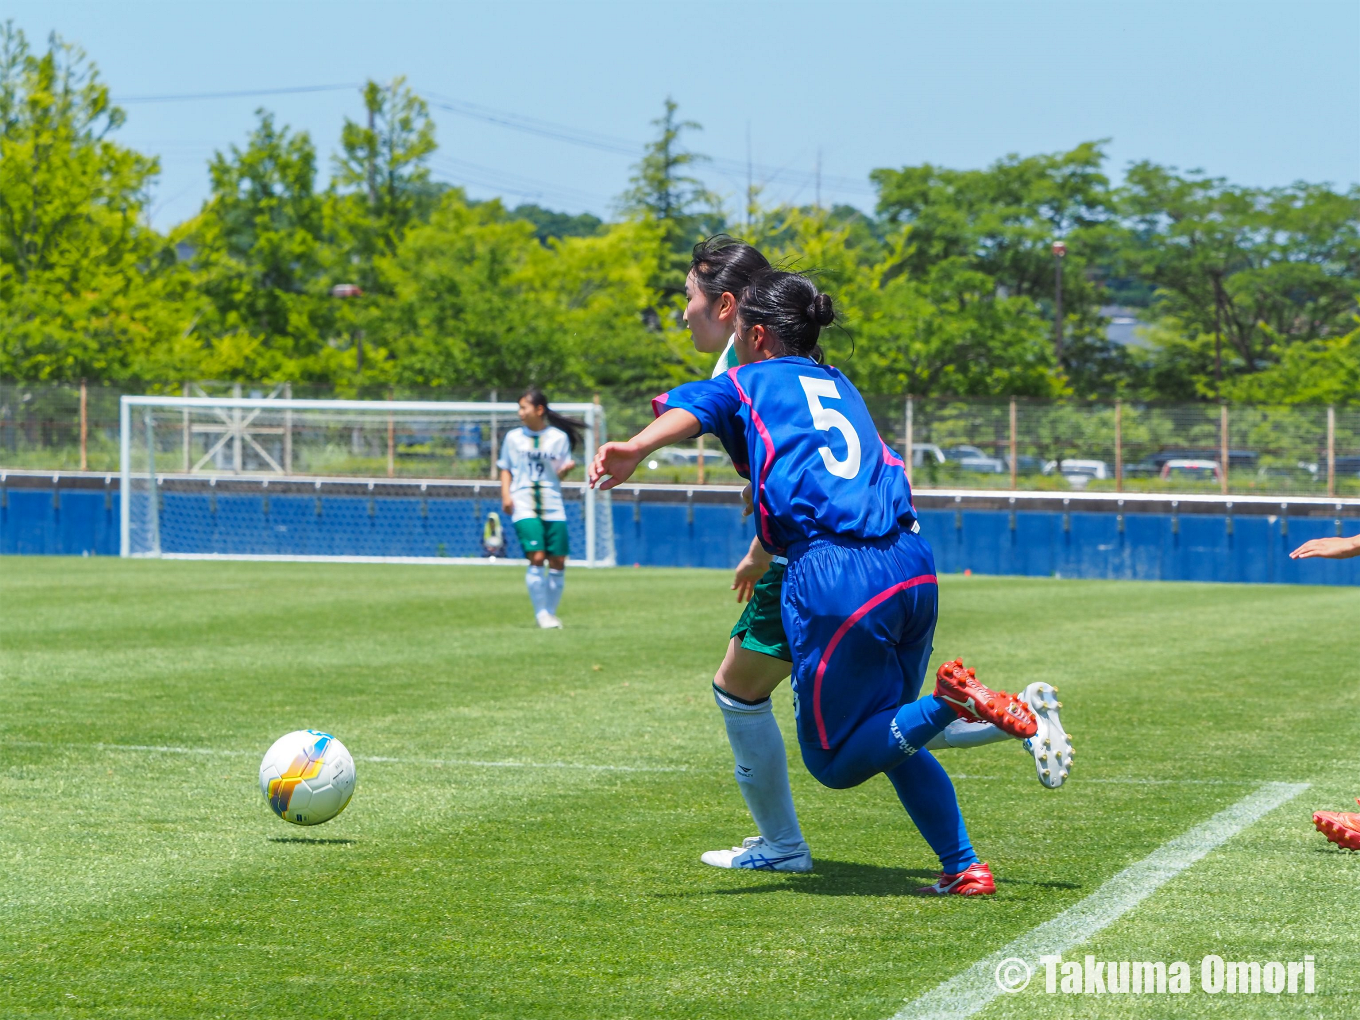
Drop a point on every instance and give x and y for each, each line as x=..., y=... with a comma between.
x=531, y=848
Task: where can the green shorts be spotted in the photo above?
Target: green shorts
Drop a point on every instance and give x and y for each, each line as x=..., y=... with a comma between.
x=761, y=627
x=538, y=535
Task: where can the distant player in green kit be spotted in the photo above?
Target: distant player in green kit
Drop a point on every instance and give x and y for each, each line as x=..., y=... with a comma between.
x=534, y=459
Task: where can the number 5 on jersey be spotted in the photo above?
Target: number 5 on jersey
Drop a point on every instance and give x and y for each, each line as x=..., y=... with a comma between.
x=824, y=419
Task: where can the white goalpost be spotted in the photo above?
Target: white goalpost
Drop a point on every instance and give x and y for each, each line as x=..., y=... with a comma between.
x=341, y=480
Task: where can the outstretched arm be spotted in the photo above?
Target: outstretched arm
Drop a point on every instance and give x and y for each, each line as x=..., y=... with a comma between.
x=616, y=462
x=1329, y=548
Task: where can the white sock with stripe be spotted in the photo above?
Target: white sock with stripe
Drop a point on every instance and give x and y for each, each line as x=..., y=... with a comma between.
x=762, y=768
x=557, y=580
x=536, y=580
x=963, y=733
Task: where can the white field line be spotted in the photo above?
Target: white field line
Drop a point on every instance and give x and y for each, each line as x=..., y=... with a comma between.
x=379, y=759
x=1130, y=780
x=969, y=992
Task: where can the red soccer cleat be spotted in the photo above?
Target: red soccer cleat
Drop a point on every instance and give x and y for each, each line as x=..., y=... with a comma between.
x=974, y=880
x=974, y=702
x=1341, y=827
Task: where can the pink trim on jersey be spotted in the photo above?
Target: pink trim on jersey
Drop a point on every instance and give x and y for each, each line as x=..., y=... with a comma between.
x=769, y=456
x=844, y=629
x=659, y=404
x=888, y=457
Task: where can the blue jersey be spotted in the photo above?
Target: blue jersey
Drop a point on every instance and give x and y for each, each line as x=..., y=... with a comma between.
x=801, y=432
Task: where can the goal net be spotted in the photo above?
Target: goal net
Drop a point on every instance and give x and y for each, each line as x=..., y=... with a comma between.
x=267, y=478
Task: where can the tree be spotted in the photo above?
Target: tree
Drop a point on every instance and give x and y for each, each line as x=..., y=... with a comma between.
x=383, y=164
x=663, y=190
x=1002, y=222
x=257, y=256
x=1241, y=273
x=86, y=289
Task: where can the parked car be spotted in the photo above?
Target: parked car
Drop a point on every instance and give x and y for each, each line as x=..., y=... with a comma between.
x=1187, y=470
x=1079, y=472
x=926, y=453
x=1025, y=464
x=971, y=458
x=679, y=456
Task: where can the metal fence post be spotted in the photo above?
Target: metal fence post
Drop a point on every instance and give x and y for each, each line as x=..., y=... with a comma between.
x=909, y=454
x=186, y=435
x=84, y=427
x=1223, y=446
x=1012, y=444
x=494, y=452
x=591, y=419
x=1118, y=445
x=1331, y=450
x=288, y=431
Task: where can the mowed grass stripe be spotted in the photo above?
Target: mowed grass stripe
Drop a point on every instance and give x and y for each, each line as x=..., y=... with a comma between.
x=971, y=991
x=159, y=885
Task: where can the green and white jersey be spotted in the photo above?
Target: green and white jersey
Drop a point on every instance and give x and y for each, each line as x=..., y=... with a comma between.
x=533, y=460
x=727, y=359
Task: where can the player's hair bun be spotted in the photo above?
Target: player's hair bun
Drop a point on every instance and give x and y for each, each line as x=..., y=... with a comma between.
x=820, y=311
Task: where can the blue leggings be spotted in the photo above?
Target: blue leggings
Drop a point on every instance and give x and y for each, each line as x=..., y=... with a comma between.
x=860, y=617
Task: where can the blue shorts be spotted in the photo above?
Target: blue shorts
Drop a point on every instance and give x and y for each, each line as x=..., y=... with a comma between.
x=860, y=618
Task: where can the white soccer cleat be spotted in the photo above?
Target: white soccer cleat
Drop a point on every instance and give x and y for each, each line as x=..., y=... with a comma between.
x=1050, y=745
x=756, y=854
x=547, y=621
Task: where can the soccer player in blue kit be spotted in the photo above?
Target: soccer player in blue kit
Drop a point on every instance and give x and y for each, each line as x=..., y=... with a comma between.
x=860, y=596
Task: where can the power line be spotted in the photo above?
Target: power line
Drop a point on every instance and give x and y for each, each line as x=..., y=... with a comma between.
x=600, y=142
x=245, y=93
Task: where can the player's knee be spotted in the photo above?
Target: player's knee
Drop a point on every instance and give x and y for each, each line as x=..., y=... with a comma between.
x=824, y=768
x=537, y=559
x=557, y=562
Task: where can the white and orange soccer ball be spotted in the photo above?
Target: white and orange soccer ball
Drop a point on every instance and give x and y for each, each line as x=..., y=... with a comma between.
x=307, y=777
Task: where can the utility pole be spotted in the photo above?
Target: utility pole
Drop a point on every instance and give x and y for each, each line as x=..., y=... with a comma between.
x=1218, y=334
x=372, y=160
x=1059, y=252
x=819, y=178
x=750, y=182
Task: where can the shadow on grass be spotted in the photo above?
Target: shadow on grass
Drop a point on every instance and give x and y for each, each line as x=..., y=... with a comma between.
x=313, y=840
x=843, y=878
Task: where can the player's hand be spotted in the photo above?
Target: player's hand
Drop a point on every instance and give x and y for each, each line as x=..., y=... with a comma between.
x=565, y=467
x=613, y=463
x=508, y=505
x=749, y=571
x=748, y=507
x=1328, y=548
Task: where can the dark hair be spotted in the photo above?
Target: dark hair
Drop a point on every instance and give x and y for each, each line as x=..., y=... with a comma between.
x=790, y=307
x=723, y=265
x=570, y=426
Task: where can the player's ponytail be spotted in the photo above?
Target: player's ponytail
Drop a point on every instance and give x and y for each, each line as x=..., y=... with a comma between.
x=790, y=307
x=570, y=426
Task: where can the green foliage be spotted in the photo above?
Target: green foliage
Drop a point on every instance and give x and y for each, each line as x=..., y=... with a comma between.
x=549, y=224
x=948, y=289
x=85, y=288
x=1249, y=271
x=257, y=255
x=663, y=190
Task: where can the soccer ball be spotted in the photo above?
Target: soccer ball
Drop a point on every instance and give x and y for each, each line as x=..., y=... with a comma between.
x=307, y=777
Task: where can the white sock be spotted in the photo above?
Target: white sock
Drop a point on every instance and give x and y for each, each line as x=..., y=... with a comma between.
x=557, y=579
x=962, y=733
x=536, y=580
x=762, y=768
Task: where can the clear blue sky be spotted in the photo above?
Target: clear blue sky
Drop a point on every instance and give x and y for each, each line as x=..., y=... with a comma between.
x=1264, y=93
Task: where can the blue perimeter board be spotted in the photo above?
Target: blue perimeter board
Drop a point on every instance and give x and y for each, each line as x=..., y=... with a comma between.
x=1075, y=544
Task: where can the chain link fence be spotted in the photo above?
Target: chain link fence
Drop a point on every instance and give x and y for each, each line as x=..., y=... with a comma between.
x=967, y=443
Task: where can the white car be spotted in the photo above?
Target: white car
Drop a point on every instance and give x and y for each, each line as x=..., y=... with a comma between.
x=679, y=456
x=926, y=453
x=1080, y=472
